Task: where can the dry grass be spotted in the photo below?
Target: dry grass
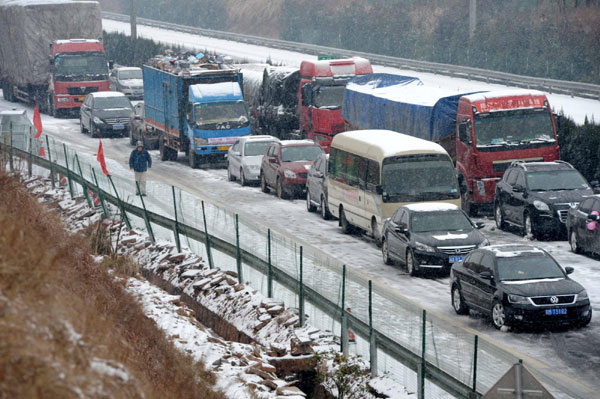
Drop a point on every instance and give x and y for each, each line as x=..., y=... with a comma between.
x=67, y=330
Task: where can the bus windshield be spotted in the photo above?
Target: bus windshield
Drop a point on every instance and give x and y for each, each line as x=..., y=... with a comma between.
x=513, y=127
x=330, y=97
x=222, y=115
x=424, y=177
x=78, y=67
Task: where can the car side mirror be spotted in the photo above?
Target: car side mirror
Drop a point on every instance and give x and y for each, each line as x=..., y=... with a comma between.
x=401, y=229
x=592, y=217
x=569, y=270
x=236, y=153
x=479, y=225
x=272, y=160
x=517, y=188
x=318, y=175
x=379, y=189
x=486, y=275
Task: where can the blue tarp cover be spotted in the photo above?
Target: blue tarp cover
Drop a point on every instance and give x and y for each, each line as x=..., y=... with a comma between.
x=402, y=104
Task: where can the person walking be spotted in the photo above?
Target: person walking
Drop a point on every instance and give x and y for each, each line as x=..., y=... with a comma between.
x=140, y=161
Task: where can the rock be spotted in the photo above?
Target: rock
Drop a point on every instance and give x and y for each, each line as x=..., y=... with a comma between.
x=215, y=281
x=263, y=374
x=275, y=310
x=191, y=273
x=238, y=287
x=278, y=348
x=177, y=258
x=209, y=272
x=270, y=384
x=291, y=321
x=129, y=240
x=230, y=280
x=298, y=348
x=232, y=274
x=266, y=367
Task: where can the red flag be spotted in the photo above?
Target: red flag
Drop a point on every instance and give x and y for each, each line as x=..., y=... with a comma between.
x=100, y=159
x=42, y=151
x=37, y=121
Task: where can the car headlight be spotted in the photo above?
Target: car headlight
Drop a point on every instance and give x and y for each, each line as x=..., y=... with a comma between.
x=541, y=206
x=485, y=243
x=200, y=141
x=518, y=299
x=289, y=174
x=97, y=120
x=582, y=295
x=423, y=247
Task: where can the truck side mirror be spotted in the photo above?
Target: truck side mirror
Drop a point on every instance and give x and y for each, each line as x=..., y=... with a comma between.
x=379, y=189
x=463, y=132
x=111, y=64
x=307, y=94
x=51, y=61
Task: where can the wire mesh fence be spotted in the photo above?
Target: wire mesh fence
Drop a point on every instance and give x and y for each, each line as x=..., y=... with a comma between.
x=424, y=352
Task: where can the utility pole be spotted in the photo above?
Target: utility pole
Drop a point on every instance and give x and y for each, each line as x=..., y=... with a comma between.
x=472, y=18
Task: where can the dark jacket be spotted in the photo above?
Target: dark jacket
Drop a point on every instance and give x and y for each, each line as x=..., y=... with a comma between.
x=140, y=161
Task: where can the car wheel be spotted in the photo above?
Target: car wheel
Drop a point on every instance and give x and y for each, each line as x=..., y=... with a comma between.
x=375, y=232
x=498, y=315
x=325, y=214
x=309, y=206
x=499, y=216
x=263, y=183
x=457, y=301
x=386, y=253
x=587, y=320
x=412, y=266
x=93, y=131
x=243, y=181
x=573, y=242
x=230, y=175
x=346, y=227
x=279, y=189
x=81, y=128
x=529, y=228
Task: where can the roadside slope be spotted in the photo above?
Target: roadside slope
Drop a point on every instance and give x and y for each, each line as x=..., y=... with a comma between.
x=67, y=329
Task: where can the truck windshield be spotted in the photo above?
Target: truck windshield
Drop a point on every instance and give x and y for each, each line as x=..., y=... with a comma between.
x=550, y=180
x=79, y=67
x=300, y=153
x=513, y=127
x=329, y=97
x=422, y=222
x=424, y=177
x=224, y=115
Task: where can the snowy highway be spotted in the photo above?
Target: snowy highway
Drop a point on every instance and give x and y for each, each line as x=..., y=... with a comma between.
x=573, y=350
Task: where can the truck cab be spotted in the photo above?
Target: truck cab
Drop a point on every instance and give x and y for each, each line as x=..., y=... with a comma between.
x=321, y=93
x=495, y=129
x=78, y=67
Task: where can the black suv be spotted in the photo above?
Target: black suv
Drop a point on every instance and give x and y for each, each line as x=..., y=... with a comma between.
x=583, y=226
x=537, y=196
x=518, y=284
x=105, y=112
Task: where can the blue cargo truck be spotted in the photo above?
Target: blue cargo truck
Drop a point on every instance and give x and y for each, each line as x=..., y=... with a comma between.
x=200, y=112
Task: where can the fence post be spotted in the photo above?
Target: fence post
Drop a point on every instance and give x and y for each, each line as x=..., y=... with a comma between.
x=83, y=183
x=10, y=161
x=50, y=160
x=270, y=267
x=68, y=170
x=301, y=293
x=121, y=206
x=421, y=373
x=207, y=240
x=475, y=345
x=344, y=321
x=100, y=195
x=177, y=241
x=372, y=338
x=30, y=159
x=146, y=218
x=238, y=255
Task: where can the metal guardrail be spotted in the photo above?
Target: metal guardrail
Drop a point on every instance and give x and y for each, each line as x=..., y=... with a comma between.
x=578, y=89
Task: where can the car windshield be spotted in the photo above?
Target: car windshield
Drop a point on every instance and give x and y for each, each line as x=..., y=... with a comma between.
x=425, y=177
x=111, y=102
x=130, y=74
x=421, y=222
x=300, y=153
x=253, y=148
x=549, y=180
x=328, y=96
x=222, y=115
x=80, y=67
x=536, y=267
x=513, y=127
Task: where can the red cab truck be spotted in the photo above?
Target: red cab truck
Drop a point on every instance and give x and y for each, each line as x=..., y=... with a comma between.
x=483, y=132
x=50, y=52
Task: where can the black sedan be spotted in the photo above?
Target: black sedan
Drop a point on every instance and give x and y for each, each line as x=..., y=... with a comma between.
x=429, y=236
x=518, y=285
x=583, y=226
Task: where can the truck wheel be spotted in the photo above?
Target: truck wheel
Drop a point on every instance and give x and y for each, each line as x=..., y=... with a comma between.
x=50, y=106
x=164, y=155
x=171, y=154
x=192, y=157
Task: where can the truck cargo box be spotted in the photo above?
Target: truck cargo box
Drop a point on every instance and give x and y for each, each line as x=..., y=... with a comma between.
x=27, y=28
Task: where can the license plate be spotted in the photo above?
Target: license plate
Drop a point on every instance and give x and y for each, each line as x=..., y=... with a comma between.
x=552, y=312
x=118, y=127
x=223, y=147
x=454, y=259
x=137, y=92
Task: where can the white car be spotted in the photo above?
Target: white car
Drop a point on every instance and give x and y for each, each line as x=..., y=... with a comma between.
x=129, y=81
x=245, y=156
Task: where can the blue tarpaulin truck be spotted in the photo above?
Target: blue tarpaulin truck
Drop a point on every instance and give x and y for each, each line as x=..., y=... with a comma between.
x=197, y=111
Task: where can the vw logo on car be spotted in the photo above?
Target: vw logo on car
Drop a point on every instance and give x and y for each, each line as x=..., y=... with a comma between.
x=554, y=299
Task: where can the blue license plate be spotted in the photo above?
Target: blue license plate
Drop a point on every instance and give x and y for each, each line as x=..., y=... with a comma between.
x=454, y=259
x=118, y=127
x=552, y=312
x=137, y=92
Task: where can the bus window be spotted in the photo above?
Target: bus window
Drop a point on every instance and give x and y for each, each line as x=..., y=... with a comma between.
x=372, y=175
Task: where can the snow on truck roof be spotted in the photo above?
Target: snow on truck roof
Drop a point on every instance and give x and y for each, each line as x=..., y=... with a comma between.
x=25, y=3
x=491, y=95
x=432, y=207
x=383, y=143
